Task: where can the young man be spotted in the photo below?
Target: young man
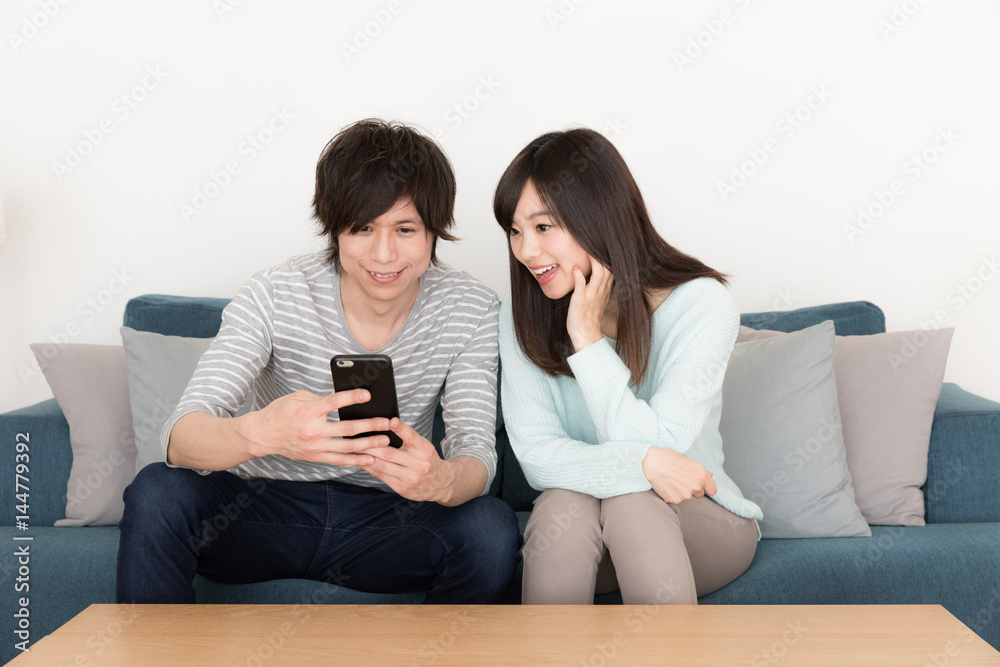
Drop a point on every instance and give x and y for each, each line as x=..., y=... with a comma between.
x=299, y=498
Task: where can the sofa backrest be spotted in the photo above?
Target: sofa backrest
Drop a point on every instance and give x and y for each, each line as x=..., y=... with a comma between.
x=852, y=318
x=192, y=317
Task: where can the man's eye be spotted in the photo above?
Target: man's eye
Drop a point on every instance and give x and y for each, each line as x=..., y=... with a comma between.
x=406, y=230
x=366, y=228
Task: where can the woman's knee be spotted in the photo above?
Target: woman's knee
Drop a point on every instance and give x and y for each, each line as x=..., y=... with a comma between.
x=721, y=544
x=564, y=522
x=630, y=516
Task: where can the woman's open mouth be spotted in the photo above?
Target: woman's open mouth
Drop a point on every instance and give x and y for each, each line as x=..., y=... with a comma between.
x=545, y=274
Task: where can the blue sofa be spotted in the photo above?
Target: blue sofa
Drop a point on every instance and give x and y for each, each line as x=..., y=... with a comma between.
x=953, y=561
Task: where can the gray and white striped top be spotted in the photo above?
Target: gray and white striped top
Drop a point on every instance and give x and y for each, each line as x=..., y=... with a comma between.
x=280, y=331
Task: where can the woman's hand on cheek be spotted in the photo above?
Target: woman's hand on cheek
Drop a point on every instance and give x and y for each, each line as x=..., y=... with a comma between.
x=586, y=306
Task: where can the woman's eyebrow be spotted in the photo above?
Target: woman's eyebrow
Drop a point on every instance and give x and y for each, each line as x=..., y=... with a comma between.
x=537, y=214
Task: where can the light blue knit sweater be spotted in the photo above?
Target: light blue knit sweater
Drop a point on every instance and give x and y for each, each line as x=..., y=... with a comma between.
x=590, y=434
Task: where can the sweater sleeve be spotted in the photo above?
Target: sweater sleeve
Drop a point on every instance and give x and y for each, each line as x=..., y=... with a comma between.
x=469, y=402
x=226, y=373
x=688, y=375
x=547, y=455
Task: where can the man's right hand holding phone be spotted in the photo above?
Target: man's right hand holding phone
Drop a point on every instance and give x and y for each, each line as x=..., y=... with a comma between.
x=295, y=426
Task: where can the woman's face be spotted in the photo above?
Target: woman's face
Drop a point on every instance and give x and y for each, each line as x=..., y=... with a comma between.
x=545, y=247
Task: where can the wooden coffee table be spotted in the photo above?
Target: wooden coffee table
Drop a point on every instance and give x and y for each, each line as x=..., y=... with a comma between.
x=255, y=635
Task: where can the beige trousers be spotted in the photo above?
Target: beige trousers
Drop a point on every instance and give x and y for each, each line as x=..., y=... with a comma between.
x=655, y=552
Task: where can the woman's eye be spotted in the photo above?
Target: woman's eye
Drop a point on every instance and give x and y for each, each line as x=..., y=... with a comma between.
x=514, y=232
x=543, y=228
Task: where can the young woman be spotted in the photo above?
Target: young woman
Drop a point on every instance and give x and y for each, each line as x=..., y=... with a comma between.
x=613, y=348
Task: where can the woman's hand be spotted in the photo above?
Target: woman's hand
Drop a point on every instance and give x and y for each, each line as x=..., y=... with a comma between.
x=586, y=306
x=675, y=477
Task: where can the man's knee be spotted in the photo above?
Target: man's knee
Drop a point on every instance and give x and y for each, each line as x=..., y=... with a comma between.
x=489, y=525
x=156, y=485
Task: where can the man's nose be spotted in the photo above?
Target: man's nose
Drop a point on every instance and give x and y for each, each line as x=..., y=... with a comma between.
x=384, y=247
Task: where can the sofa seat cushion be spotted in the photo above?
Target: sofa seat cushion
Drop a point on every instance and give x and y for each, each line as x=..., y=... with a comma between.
x=946, y=564
x=71, y=568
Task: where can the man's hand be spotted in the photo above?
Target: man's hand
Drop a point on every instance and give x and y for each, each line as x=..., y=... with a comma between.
x=295, y=426
x=675, y=477
x=415, y=471
x=587, y=304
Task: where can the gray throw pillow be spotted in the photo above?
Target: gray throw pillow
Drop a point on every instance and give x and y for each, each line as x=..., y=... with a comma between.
x=159, y=368
x=887, y=387
x=782, y=435
x=90, y=385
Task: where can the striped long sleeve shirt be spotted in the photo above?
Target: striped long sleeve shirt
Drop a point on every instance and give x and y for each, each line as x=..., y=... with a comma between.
x=280, y=331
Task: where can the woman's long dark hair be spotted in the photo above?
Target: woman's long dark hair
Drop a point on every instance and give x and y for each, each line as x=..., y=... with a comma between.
x=581, y=177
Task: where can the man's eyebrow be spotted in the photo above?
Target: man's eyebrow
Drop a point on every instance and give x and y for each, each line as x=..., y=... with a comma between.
x=405, y=221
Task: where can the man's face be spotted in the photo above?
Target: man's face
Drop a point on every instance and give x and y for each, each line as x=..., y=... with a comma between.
x=384, y=260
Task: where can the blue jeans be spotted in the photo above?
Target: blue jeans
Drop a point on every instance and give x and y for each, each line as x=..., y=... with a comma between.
x=233, y=530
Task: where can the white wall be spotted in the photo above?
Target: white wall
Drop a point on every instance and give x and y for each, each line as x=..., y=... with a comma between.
x=892, y=75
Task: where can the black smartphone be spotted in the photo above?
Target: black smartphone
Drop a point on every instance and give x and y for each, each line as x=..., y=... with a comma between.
x=374, y=373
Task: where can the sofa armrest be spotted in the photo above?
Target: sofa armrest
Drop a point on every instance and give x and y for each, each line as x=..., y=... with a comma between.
x=963, y=464
x=50, y=459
